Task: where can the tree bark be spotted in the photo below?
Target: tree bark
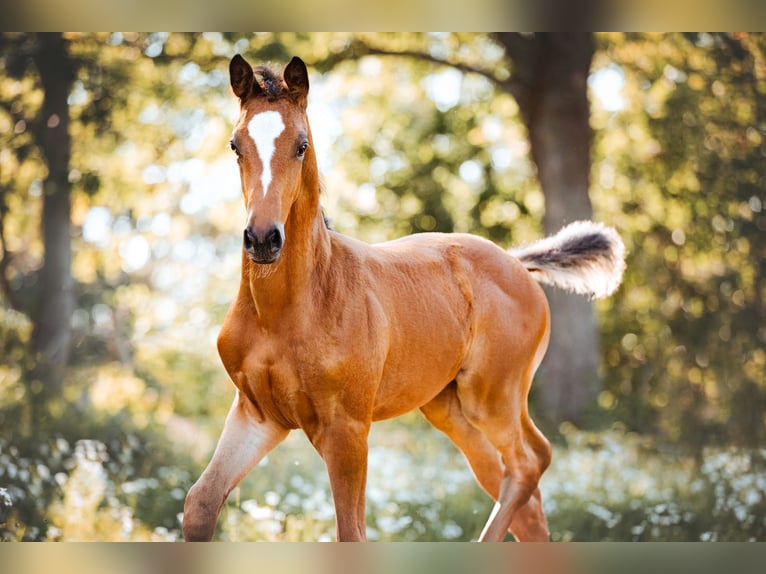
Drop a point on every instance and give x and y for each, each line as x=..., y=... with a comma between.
x=551, y=73
x=51, y=334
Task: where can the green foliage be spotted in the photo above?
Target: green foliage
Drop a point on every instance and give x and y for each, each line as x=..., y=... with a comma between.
x=622, y=487
x=57, y=485
x=429, y=148
x=680, y=172
x=607, y=486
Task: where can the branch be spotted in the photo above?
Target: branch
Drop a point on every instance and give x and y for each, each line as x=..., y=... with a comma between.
x=357, y=49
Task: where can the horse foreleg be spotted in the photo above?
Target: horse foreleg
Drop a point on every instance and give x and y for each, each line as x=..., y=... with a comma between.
x=344, y=450
x=245, y=440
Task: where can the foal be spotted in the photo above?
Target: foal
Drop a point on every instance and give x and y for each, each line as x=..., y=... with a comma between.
x=329, y=334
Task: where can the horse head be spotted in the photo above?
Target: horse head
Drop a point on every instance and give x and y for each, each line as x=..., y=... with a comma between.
x=272, y=141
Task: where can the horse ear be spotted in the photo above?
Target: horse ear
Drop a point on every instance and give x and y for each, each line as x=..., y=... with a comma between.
x=297, y=79
x=242, y=78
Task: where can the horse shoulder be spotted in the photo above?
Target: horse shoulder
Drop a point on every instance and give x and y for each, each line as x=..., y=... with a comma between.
x=352, y=309
x=350, y=315
x=235, y=331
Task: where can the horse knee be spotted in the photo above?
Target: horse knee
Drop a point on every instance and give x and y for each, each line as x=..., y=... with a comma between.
x=524, y=466
x=540, y=446
x=199, y=516
x=544, y=454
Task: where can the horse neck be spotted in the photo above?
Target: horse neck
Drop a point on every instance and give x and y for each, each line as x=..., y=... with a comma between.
x=307, y=248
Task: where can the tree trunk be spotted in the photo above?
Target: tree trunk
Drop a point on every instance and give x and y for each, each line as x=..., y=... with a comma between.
x=550, y=73
x=51, y=318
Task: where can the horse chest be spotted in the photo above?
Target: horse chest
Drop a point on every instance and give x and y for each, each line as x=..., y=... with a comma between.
x=298, y=383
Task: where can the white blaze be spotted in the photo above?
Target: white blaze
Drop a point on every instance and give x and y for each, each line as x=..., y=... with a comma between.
x=265, y=128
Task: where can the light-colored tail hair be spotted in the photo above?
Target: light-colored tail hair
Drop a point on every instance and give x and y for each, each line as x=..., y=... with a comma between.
x=584, y=257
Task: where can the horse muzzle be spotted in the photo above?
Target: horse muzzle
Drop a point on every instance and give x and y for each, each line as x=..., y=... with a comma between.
x=264, y=246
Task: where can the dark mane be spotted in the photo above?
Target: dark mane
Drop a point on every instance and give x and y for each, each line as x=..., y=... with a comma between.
x=270, y=81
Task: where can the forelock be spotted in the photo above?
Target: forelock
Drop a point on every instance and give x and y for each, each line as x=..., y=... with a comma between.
x=271, y=82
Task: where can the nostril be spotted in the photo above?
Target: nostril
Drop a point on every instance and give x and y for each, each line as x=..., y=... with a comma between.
x=249, y=238
x=269, y=243
x=274, y=239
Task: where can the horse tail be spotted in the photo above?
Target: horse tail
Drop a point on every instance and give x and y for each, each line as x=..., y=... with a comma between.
x=584, y=257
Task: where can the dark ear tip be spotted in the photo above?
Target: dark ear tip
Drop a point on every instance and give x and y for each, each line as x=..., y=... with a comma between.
x=241, y=77
x=237, y=60
x=297, y=76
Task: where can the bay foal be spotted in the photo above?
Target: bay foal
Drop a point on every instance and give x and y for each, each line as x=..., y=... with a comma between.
x=329, y=334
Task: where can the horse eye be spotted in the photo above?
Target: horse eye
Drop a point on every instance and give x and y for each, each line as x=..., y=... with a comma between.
x=302, y=149
x=233, y=147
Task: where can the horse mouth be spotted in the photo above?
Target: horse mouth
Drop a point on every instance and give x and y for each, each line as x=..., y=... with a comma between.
x=263, y=257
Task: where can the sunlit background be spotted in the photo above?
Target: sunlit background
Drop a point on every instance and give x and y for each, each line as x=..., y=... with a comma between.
x=413, y=132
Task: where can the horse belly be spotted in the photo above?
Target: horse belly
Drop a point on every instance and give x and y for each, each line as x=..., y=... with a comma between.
x=424, y=356
x=412, y=380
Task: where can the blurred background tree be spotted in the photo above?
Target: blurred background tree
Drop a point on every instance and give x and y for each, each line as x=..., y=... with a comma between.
x=682, y=168
x=44, y=294
x=119, y=224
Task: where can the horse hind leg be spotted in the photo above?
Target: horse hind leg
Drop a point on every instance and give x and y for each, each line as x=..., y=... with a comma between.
x=518, y=507
x=493, y=398
x=529, y=523
x=446, y=414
